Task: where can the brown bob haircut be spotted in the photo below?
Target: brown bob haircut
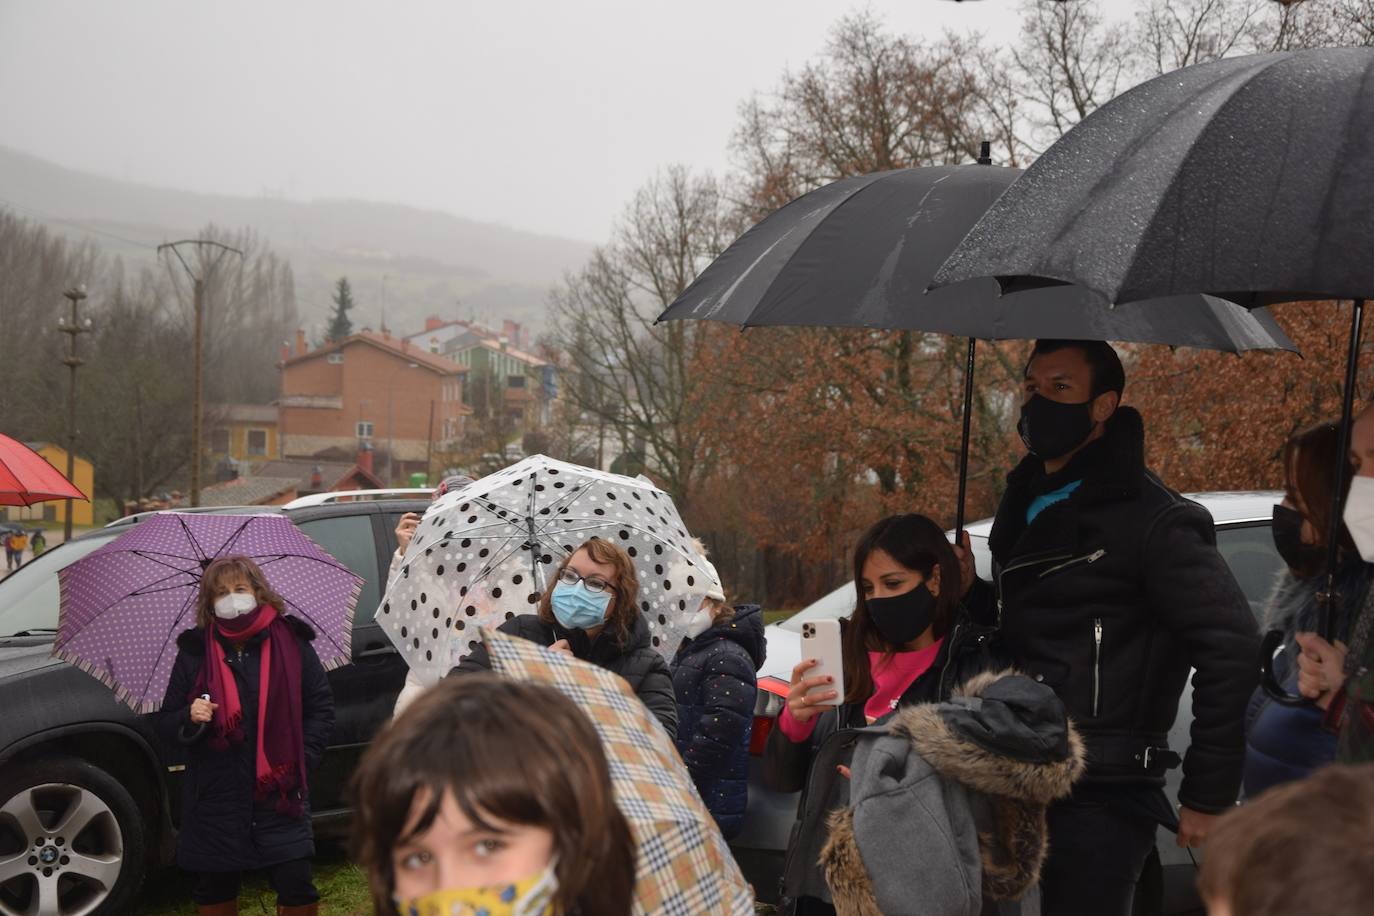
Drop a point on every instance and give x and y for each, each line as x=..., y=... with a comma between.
x=1302, y=847
x=624, y=602
x=233, y=568
x=1309, y=462
x=511, y=751
x=919, y=544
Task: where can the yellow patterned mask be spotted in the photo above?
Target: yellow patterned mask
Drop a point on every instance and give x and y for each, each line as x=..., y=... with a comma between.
x=534, y=896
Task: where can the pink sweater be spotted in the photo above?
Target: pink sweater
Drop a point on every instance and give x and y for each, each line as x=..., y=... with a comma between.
x=890, y=681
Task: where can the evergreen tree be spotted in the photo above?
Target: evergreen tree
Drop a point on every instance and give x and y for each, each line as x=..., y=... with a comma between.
x=340, y=327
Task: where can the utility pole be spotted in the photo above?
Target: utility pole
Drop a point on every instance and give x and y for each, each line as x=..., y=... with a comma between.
x=198, y=407
x=72, y=328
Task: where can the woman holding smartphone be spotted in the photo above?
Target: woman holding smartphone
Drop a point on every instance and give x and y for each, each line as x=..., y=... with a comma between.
x=907, y=642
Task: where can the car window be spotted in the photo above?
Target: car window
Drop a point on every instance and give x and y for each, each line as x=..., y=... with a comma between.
x=349, y=539
x=29, y=598
x=1249, y=551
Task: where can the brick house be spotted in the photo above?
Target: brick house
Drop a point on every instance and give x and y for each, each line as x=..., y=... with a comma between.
x=372, y=389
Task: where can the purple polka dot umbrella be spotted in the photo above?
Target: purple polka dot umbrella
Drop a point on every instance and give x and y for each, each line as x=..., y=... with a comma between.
x=124, y=605
x=486, y=553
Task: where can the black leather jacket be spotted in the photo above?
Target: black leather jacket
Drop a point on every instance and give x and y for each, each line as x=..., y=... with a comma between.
x=1111, y=596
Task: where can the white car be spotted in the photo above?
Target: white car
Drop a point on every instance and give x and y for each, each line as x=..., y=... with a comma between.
x=1243, y=537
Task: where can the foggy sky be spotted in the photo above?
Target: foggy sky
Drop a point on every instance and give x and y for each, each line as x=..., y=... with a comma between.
x=543, y=116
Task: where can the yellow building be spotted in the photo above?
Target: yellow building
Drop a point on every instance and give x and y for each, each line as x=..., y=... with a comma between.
x=246, y=433
x=83, y=513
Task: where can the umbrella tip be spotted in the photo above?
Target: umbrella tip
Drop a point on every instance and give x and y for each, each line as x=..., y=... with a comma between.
x=985, y=153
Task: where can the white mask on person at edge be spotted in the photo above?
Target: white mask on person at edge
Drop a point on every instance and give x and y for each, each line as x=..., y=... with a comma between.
x=1359, y=515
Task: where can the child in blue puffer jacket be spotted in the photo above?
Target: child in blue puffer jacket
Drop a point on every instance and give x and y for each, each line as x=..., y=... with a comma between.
x=714, y=679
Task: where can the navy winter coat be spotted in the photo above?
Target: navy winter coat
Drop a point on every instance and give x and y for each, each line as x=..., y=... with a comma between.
x=714, y=679
x=223, y=828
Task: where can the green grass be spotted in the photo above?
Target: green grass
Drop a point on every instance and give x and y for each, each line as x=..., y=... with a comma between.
x=342, y=885
x=777, y=616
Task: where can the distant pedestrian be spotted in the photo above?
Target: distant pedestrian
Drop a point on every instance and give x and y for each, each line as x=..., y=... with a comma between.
x=39, y=543
x=250, y=703
x=416, y=682
x=14, y=549
x=492, y=796
x=714, y=677
x=1301, y=848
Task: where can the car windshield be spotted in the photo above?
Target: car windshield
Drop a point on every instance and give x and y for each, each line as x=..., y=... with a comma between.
x=29, y=598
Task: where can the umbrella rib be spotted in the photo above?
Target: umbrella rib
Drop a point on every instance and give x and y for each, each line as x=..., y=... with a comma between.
x=263, y=559
x=319, y=628
x=168, y=640
x=150, y=589
x=192, y=538
x=224, y=548
x=149, y=555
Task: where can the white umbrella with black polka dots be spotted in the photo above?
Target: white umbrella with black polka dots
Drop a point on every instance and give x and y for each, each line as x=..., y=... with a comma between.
x=487, y=552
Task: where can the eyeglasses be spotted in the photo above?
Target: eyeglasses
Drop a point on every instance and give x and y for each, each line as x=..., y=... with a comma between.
x=593, y=584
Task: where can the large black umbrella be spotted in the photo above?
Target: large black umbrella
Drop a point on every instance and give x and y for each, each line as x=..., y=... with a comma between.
x=860, y=252
x=1250, y=178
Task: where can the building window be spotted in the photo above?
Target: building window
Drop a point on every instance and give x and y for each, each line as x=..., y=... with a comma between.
x=219, y=441
x=257, y=442
x=515, y=381
x=334, y=359
x=364, y=429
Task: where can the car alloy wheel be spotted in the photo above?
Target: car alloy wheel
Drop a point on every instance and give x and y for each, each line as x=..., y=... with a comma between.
x=61, y=851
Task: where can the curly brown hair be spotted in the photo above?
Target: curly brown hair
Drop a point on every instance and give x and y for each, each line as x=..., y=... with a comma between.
x=518, y=752
x=624, y=602
x=236, y=567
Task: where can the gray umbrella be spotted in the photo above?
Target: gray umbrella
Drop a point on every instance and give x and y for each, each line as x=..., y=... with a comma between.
x=1250, y=178
x=860, y=252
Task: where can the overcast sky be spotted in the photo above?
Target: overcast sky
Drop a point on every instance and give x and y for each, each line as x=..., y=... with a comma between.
x=538, y=115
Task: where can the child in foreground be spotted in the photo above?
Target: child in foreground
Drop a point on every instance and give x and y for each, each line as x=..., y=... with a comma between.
x=1302, y=847
x=492, y=796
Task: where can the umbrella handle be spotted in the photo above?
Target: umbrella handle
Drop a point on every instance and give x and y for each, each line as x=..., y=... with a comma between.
x=1268, y=647
x=195, y=734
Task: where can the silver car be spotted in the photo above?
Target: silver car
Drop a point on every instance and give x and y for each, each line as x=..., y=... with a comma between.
x=1242, y=520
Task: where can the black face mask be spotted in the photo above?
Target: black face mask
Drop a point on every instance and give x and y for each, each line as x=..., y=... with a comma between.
x=1051, y=430
x=1301, y=557
x=901, y=618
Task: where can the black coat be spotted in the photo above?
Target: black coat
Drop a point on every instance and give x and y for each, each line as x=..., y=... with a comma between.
x=1110, y=596
x=807, y=766
x=223, y=827
x=637, y=661
x=714, y=678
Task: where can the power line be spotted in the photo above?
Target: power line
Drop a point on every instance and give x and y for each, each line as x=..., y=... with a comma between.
x=77, y=224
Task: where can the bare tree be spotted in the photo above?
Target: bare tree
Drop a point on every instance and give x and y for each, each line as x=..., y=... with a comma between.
x=1069, y=61
x=1180, y=33
x=624, y=373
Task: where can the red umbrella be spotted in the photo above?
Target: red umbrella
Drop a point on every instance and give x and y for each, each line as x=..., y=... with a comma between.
x=27, y=478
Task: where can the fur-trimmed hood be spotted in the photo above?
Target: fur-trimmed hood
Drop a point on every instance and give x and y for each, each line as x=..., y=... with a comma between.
x=981, y=768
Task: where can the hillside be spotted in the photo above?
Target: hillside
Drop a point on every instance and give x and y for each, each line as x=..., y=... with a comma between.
x=433, y=262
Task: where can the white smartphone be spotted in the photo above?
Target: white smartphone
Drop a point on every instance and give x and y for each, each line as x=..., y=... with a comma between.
x=821, y=641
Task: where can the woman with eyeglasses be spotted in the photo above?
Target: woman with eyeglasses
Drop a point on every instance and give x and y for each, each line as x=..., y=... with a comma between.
x=592, y=613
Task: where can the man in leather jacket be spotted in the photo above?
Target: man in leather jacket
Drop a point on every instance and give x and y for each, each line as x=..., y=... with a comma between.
x=1109, y=588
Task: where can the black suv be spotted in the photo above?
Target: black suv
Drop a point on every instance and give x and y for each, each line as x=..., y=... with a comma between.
x=88, y=795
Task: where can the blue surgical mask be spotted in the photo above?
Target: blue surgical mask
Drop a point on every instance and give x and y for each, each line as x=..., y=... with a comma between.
x=578, y=609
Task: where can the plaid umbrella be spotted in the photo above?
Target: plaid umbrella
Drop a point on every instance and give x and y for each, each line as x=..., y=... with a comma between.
x=684, y=867
x=27, y=478
x=485, y=553
x=124, y=604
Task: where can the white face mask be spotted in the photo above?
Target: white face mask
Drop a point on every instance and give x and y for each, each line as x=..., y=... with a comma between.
x=1359, y=515
x=235, y=604
x=700, y=622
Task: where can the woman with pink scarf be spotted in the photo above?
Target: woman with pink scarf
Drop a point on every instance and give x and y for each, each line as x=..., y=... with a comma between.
x=251, y=703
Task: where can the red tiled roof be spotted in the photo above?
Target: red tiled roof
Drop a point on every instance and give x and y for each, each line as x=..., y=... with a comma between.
x=393, y=345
